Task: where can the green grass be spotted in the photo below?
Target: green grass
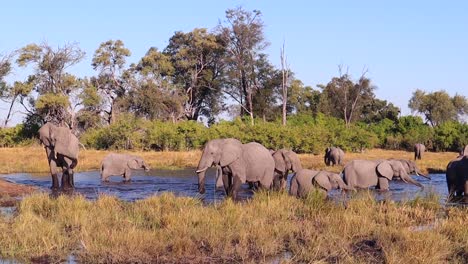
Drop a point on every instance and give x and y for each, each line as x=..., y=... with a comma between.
x=166, y=228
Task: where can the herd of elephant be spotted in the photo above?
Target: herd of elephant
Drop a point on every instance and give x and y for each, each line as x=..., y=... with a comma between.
x=237, y=163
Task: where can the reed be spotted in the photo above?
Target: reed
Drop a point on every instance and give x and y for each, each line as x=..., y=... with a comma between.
x=270, y=227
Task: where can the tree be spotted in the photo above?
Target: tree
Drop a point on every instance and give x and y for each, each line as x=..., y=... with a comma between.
x=284, y=83
x=197, y=60
x=245, y=41
x=89, y=116
x=109, y=59
x=344, y=98
x=6, y=92
x=376, y=110
x=302, y=99
x=153, y=93
x=50, y=80
x=265, y=101
x=438, y=107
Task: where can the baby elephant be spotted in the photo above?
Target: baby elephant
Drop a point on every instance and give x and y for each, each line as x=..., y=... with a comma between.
x=305, y=181
x=121, y=164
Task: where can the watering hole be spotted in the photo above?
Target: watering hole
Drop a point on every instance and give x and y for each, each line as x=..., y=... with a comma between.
x=185, y=183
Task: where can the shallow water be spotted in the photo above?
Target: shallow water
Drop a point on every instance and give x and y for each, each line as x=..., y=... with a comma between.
x=185, y=183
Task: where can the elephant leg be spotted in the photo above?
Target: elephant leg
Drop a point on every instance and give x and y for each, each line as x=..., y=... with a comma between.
x=69, y=164
x=65, y=179
x=127, y=175
x=53, y=168
x=227, y=182
x=236, y=184
x=383, y=184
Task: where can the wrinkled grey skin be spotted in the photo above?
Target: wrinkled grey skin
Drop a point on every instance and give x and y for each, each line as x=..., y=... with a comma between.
x=239, y=163
x=62, y=148
x=333, y=156
x=463, y=151
x=116, y=164
x=457, y=177
x=285, y=161
x=418, y=151
x=305, y=181
x=368, y=173
x=411, y=168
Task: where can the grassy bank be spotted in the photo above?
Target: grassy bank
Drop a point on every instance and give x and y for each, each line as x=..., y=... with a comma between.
x=32, y=159
x=167, y=229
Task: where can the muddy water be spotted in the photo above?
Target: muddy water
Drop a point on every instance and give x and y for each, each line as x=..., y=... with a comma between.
x=184, y=183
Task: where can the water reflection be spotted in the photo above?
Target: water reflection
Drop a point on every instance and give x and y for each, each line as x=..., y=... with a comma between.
x=185, y=183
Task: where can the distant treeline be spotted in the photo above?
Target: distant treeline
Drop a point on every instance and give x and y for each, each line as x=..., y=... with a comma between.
x=304, y=134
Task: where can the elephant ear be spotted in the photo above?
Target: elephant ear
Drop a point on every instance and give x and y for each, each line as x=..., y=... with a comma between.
x=287, y=159
x=280, y=163
x=230, y=152
x=44, y=135
x=322, y=180
x=295, y=161
x=65, y=142
x=385, y=170
x=133, y=163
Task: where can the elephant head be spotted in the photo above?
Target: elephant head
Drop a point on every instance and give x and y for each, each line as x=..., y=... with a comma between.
x=136, y=163
x=286, y=160
x=395, y=168
x=411, y=167
x=217, y=152
x=329, y=180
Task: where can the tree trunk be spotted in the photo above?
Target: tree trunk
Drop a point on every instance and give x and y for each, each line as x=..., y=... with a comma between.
x=9, y=111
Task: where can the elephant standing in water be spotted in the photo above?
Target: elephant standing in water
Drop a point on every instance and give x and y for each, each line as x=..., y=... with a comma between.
x=418, y=151
x=238, y=163
x=305, y=181
x=368, y=173
x=333, y=156
x=121, y=164
x=62, y=148
x=457, y=177
x=285, y=161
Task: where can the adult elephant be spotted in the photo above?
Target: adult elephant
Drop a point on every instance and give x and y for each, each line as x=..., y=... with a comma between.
x=285, y=161
x=411, y=168
x=238, y=163
x=457, y=177
x=418, y=151
x=305, y=181
x=62, y=148
x=333, y=156
x=368, y=173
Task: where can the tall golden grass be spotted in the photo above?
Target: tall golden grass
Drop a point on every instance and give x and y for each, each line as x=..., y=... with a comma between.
x=270, y=227
x=33, y=159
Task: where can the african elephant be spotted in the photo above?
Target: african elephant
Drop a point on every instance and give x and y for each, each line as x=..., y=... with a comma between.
x=457, y=177
x=419, y=150
x=368, y=173
x=333, y=156
x=304, y=181
x=411, y=167
x=62, y=148
x=285, y=161
x=464, y=151
x=239, y=163
x=121, y=164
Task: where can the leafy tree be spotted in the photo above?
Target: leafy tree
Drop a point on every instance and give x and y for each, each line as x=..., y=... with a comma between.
x=377, y=110
x=50, y=80
x=197, y=60
x=153, y=93
x=109, y=59
x=89, y=116
x=302, y=99
x=265, y=101
x=344, y=98
x=438, y=107
x=245, y=41
x=6, y=93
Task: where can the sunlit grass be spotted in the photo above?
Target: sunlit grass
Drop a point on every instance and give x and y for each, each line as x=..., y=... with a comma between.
x=33, y=159
x=166, y=228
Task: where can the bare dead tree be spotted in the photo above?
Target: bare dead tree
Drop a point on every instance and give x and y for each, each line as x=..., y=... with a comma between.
x=285, y=81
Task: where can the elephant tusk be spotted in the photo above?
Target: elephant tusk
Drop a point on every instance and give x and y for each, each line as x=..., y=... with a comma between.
x=202, y=170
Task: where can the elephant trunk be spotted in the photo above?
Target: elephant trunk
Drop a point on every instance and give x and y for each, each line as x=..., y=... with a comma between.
x=201, y=171
x=419, y=173
x=411, y=180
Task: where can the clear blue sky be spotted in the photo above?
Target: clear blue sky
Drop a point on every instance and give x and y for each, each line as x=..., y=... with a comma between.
x=405, y=44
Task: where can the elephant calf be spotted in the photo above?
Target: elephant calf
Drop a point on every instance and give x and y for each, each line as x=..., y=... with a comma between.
x=121, y=164
x=285, y=161
x=305, y=181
